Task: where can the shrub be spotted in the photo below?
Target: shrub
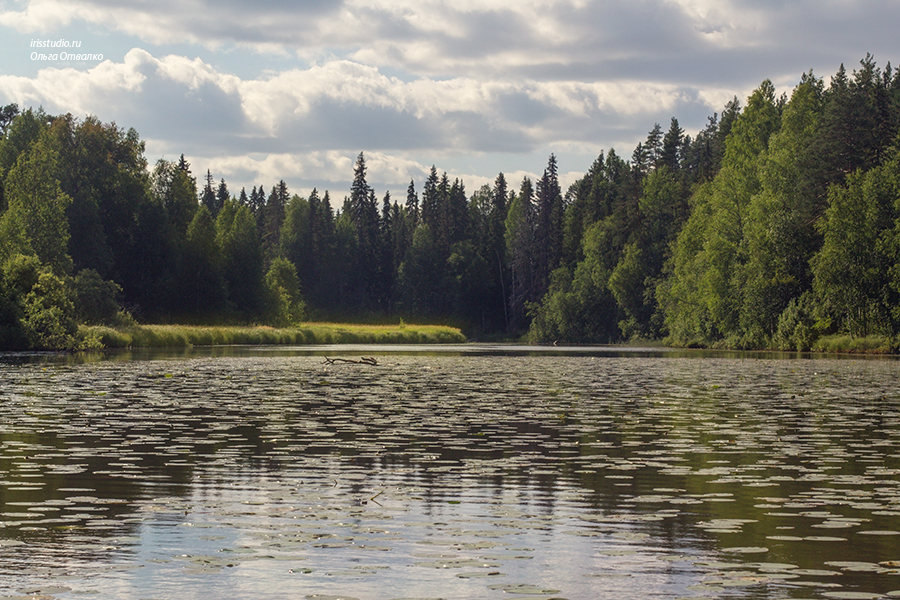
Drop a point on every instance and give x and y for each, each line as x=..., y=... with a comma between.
x=285, y=304
x=96, y=300
x=796, y=328
x=49, y=314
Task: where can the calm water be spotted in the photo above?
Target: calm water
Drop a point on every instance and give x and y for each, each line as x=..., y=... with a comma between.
x=476, y=473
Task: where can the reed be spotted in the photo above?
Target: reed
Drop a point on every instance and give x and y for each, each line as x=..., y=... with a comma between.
x=842, y=343
x=177, y=336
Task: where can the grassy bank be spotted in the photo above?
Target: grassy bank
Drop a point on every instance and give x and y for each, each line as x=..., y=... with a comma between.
x=838, y=343
x=871, y=344
x=179, y=336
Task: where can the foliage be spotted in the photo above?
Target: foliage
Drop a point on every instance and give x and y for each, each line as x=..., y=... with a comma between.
x=797, y=327
x=776, y=226
x=853, y=269
x=48, y=314
x=35, y=220
x=286, y=305
x=96, y=299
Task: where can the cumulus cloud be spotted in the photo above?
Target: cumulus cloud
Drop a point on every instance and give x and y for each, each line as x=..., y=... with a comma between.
x=414, y=82
x=479, y=38
x=341, y=103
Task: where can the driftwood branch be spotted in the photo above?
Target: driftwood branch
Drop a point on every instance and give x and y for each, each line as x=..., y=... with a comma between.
x=364, y=360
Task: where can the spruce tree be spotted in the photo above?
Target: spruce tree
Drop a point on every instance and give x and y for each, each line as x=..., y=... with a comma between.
x=549, y=226
x=208, y=196
x=222, y=196
x=430, y=201
x=520, y=248
x=412, y=203
x=670, y=155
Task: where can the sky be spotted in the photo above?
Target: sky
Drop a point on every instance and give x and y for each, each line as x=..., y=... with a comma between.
x=256, y=92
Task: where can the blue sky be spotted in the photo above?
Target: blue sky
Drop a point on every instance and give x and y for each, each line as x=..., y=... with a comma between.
x=275, y=89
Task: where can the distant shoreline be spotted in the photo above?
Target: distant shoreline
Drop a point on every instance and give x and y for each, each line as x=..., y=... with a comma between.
x=179, y=336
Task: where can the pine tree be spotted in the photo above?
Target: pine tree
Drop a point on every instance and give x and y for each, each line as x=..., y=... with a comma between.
x=184, y=165
x=430, y=200
x=443, y=225
x=386, y=268
x=412, y=203
x=257, y=201
x=548, y=226
x=458, y=212
x=208, y=196
x=520, y=247
x=640, y=162
x=362, y=209
x=653, y=145
x=670, y=155
x=359, y=190
x=273, y=217
x=222, y=196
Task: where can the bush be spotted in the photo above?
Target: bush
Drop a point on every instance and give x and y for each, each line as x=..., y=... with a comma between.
x=96, y=300
x=796, y=328
x=49, y=315
x=285, y=304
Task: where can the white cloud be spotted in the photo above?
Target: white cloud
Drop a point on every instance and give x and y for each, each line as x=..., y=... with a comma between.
x=73, y=90
x=44, y=16
x=414, y=82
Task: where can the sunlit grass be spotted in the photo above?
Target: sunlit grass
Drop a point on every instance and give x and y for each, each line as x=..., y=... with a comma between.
x=168, y=336
x=870, y=344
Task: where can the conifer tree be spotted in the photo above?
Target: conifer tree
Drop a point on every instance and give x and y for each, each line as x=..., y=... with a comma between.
x=184, y=165
x=412, y=203
x=257, y=201
x=653, y=146
x=457, y=212
x=272, y=218
x=430, y=200
x=520, y=248
x=208, y=196
x=222, y=196
x=548, y=226
x=670, y=154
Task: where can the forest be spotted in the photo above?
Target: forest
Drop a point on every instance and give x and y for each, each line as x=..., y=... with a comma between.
x=776, y=227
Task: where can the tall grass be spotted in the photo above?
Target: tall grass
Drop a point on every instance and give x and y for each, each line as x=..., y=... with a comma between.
x=871, y=344
x=177, y=336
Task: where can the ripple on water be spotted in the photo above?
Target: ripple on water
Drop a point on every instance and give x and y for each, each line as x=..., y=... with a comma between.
x=601, y=474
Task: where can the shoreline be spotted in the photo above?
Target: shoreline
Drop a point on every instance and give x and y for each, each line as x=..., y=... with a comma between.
x=180, y=336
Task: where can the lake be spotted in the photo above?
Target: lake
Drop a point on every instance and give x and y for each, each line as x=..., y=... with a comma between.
x=463, y=472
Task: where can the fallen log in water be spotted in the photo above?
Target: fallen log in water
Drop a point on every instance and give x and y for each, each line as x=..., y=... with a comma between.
x=364, y=360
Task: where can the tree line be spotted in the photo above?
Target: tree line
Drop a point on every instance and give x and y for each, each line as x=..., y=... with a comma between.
x=778, y=223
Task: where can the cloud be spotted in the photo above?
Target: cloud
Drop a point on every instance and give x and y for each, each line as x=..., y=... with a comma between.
x=416, y=82
x=481, y=39
x=340, y=104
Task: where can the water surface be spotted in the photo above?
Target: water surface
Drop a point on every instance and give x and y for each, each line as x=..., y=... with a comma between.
x=459, y=473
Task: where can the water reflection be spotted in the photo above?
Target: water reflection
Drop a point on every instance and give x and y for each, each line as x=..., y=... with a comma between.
x=453, y=472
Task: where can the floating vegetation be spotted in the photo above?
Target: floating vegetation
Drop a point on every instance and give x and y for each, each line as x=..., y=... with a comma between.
x=471, y=472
